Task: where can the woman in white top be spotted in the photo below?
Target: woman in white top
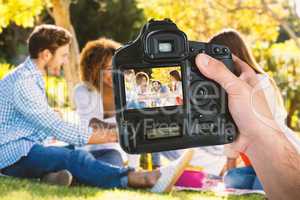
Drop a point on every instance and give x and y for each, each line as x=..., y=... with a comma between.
x=245, y=177
x=94, y=96
x=176, y=87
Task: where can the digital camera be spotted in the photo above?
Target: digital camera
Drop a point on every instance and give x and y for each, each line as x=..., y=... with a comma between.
x=162, y=100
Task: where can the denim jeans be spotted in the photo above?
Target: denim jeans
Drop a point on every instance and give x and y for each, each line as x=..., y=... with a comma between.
x=81, y=164
x=242, y=178
x=111, y=156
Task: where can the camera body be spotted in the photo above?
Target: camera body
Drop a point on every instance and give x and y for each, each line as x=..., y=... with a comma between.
x=162, y=100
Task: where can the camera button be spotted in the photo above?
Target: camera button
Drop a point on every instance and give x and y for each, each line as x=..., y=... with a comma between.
x=225, y=50
x=230, y=138
x=217, y=50
x=202, y=50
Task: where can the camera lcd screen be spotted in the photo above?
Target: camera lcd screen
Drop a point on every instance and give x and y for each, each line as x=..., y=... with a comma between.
x=153, y=87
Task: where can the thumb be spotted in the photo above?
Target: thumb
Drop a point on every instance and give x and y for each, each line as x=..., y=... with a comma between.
x=217, y=71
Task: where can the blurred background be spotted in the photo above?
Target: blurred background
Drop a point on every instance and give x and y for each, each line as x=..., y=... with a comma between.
x=271, y=29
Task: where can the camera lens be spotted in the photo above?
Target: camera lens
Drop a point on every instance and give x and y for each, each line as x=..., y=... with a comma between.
x=165, y=47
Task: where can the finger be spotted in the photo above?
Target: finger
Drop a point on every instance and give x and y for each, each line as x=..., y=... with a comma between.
x=218, y=72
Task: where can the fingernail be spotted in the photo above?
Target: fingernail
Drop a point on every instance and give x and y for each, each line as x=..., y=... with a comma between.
x=203, y=60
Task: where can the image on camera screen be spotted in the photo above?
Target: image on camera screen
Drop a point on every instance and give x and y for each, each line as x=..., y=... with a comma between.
x=153, y=87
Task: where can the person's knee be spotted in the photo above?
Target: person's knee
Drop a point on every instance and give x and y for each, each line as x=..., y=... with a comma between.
x=116, y=158
x=230, y=178
x=232, y=172
x=79, y=157
x=240, y=178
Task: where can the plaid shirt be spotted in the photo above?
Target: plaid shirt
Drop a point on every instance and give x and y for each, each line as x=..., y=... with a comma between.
x=26, y=118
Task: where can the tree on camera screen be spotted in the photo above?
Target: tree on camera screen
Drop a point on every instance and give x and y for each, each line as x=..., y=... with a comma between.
x=153, y=87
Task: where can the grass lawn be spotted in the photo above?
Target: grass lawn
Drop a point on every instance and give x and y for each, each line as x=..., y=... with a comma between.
x=15, y=189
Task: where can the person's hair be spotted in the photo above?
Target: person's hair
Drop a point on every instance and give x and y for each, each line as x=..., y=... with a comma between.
x=49, y=37
x=129, y=71
x=95, y=57
x=156, y=81
x=237, y=45
x=176, y=75
x=235, y=42
x=141, y=75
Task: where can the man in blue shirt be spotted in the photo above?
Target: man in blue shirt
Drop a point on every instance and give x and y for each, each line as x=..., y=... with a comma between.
x=26, y=120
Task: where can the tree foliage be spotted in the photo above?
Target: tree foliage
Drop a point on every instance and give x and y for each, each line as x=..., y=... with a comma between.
x=200, y=19
x=163, y=74
x=20, y=12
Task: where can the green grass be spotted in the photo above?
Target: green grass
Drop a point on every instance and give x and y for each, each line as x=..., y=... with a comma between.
x=15, y=189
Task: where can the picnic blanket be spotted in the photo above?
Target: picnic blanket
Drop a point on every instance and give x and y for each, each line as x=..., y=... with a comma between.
x=217, y=187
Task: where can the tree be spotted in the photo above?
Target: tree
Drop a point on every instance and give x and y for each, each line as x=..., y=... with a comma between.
x=61, y=15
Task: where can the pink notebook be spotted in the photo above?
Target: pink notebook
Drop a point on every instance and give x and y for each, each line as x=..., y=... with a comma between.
x=191, y=178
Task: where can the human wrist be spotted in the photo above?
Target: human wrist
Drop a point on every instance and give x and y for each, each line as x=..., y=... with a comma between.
x=260, y=137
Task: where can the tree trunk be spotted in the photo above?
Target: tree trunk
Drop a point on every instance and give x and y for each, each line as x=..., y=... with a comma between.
x=61, y=15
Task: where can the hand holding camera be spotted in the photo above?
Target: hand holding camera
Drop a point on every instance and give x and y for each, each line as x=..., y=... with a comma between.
x=244, y=89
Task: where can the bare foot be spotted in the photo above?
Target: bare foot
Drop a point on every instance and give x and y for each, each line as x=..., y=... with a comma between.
x=143, y=179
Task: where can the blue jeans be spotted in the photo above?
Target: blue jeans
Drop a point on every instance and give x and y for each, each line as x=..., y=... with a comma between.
x=242, y=178
x=81, y=164
x=110, y=156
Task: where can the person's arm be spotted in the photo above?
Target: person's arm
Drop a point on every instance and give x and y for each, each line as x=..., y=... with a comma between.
x=30, y=101
x=232, y=156
x=277, y=164
x=274, y=159
x=102, y=136
x=231, y=163
x=87, y=104
x=103, y=132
